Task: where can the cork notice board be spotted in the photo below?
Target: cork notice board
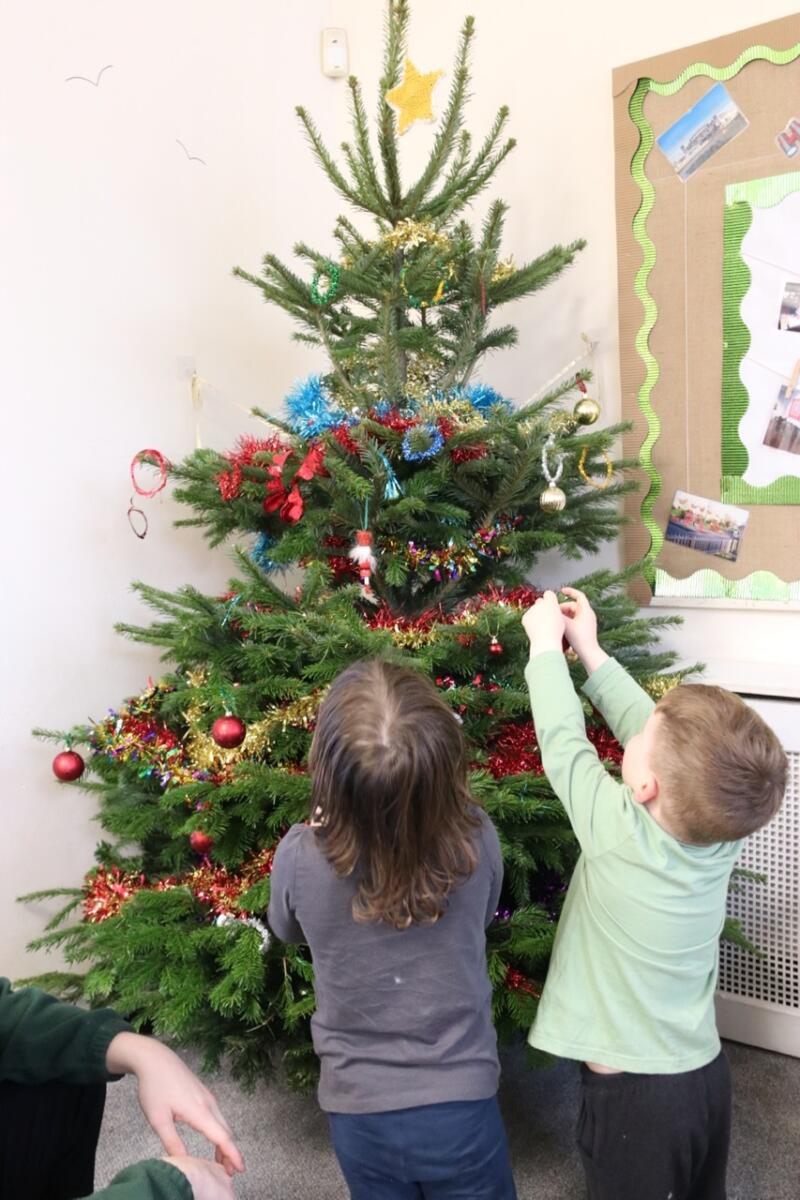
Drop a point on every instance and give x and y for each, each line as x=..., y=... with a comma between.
x=707, y=145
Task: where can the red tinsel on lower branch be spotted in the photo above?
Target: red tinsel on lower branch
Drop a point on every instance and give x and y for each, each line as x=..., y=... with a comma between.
x=515, y=981
x=515, y=749
x=107, y=889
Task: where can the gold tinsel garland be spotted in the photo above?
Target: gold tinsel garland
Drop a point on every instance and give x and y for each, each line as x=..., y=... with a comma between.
x=206, y=755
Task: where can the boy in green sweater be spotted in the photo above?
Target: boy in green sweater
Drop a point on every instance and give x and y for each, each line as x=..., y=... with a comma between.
x=630, y=989
x=55, y=1060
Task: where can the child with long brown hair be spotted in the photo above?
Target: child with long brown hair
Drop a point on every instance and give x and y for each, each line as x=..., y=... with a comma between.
x=392, y=885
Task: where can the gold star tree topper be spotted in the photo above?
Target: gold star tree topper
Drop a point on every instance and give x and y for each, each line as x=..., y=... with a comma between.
x=413, y=96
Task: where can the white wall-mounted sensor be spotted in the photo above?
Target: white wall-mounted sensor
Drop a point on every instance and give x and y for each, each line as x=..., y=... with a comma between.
x=334, y=53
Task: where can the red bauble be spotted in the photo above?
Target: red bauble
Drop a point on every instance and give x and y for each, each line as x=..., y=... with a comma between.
x=228, y=732
x=200, y=842
x=495, y=647
x=68, y=766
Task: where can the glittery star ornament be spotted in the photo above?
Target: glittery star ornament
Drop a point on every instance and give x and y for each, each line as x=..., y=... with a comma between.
x=413, y=96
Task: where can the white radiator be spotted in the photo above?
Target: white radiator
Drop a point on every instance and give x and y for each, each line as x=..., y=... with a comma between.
x=758, y=1001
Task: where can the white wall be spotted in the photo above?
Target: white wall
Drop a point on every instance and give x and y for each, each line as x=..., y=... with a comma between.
x=117, y=264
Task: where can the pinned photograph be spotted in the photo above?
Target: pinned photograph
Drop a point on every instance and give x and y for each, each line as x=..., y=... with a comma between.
x=789, y=319
x=708, y=126
x=789, y=138
x=706, y=525
x=783, y=431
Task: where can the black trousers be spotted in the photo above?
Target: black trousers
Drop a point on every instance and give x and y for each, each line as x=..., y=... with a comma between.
x=48, y=1139
x=656, y=1137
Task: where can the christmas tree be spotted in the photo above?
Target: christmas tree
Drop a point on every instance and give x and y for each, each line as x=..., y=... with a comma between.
x=410, y=500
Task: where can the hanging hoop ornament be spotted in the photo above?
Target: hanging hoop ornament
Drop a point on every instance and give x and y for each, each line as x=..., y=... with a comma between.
x=436, y=298
x=150, y=458
x=552, y=499
x=325, y=283
x=137, y=521
x=586, y=477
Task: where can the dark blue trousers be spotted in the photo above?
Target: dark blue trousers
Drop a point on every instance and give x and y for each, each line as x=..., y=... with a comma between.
x=454, y=1151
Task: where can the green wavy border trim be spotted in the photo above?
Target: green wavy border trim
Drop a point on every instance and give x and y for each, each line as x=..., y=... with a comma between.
x=707, y=584
x=641, y=236
x=764, y=193
x=785, y=490
x=740, y=200
x=736, y=339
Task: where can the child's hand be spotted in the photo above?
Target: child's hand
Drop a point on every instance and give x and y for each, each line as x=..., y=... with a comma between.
x=544, y=624
x=581, y=629
x=168, y=1093
x=208, y=1181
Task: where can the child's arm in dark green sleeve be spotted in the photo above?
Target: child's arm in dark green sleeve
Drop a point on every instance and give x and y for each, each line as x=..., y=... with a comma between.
x=42, y=1038
x=150, y=1180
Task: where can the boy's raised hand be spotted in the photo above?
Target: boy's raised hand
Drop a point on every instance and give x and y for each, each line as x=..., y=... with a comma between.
x=544, y=624
x=581, y=628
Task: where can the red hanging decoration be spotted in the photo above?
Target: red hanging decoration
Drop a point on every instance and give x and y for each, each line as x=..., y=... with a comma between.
x=228, y=732
x=482, y=283
x=495, y=647
x=159, y=461
x=200, y=842
x=68, y=766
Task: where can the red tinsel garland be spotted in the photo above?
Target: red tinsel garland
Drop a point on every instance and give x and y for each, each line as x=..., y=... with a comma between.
x=515, y=981
x=243, y=455
x=515, y=749
x=106, y=890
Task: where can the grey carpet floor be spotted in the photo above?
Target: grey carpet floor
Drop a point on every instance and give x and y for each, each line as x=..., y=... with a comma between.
x=285, y=1142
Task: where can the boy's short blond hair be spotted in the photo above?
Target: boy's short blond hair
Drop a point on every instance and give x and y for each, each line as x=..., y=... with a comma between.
x=722, y=769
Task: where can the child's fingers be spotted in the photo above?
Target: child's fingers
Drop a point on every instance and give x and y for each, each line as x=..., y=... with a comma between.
x=164, y=1128
x=569, y=608
x=573, y=593
x=206, y=1123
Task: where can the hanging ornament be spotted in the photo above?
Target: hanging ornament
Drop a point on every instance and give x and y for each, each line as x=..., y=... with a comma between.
x=200, y=842
x=552, y=499
x=482, y=290
x=227, y=918
x=504, y=269
x=414, y=448
x=325, y=283
x=494, y=646
x=68, y=766
x=137, y=519
x=586, y=477
x=436, y=298
x=361, y=554
x=413, y=96
x=391, y=489
x=150, y=458
x=586, y=411
x=228, y=731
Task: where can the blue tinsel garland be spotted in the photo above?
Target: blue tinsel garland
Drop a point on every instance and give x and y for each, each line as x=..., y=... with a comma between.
x=259, y=554
x=310, y=410
x=436, y=443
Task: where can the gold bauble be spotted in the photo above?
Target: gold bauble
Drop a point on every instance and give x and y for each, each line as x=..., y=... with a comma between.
x=562, y=422
x=586, y=411
x=552, y=499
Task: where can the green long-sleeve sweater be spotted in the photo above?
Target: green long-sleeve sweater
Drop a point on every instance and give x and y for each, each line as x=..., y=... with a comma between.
x=43, y=1039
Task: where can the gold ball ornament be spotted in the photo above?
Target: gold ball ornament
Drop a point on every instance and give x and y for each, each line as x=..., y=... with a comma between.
x=562, y=423
x=552, y=499
x=586, y=411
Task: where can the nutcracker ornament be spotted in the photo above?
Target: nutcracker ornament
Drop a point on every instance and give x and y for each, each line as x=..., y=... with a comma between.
x=361, y=554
